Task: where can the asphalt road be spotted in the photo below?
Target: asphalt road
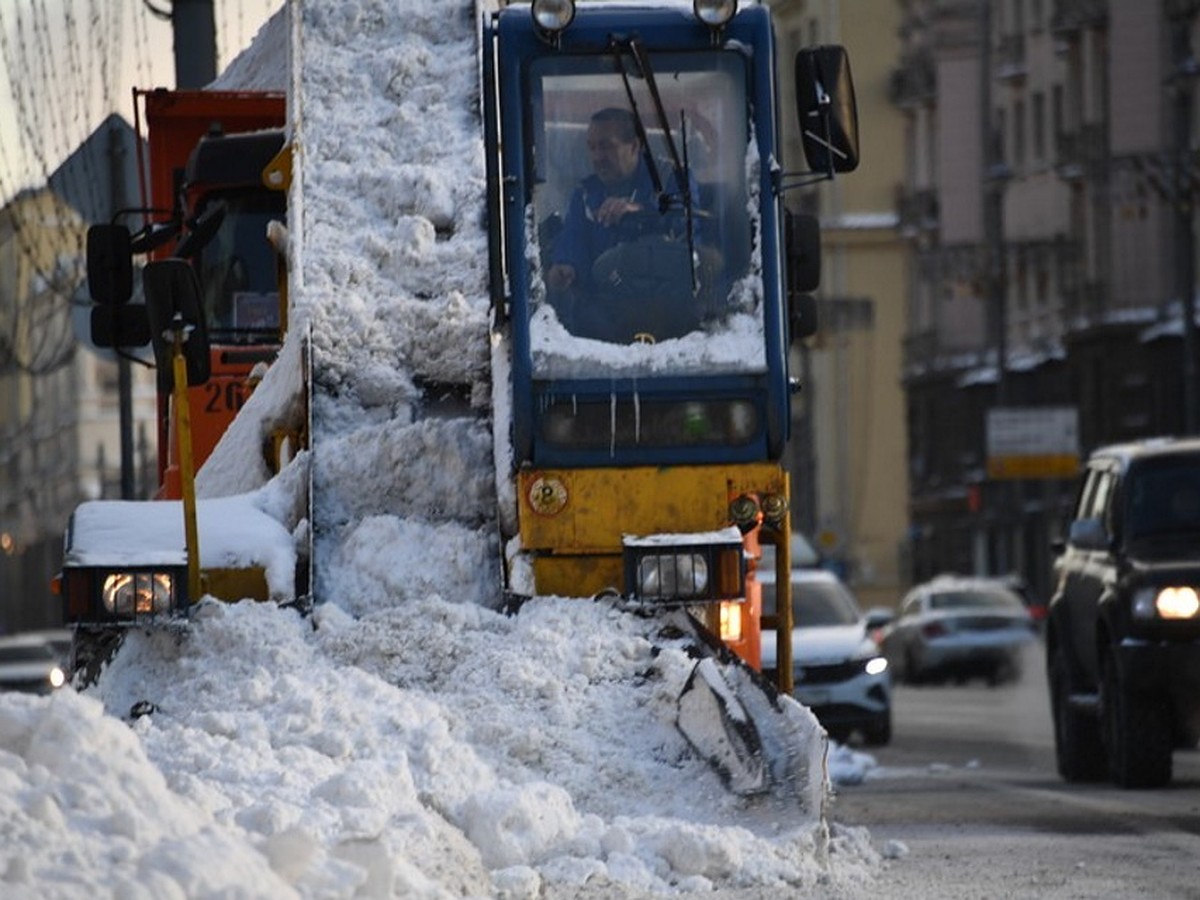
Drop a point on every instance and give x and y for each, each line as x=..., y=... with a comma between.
x=965, y=802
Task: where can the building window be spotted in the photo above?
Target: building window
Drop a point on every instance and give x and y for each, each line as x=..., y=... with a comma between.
x=1019, y=135
x=1039, y=127
x=1056, y=110
x=1000, y=137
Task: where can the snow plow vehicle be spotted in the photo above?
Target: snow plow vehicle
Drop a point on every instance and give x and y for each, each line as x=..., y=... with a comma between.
x=218, y=175
x=645, y=285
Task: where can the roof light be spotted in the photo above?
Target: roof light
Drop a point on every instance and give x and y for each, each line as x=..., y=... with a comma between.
x=552, y=16
x=714, y=13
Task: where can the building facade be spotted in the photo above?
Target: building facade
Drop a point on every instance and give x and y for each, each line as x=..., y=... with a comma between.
x=849, y=473
x=1047, y=200
x=60, y=436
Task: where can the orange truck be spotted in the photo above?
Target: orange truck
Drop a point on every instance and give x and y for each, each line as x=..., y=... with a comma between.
x=215, y=176
x=214, y=192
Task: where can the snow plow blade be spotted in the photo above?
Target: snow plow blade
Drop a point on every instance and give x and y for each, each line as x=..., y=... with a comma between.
x=758, y=740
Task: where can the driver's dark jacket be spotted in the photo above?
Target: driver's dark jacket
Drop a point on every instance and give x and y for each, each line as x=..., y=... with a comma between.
x=583, y=238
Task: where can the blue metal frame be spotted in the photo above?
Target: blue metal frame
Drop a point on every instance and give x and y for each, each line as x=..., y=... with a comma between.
x=511, y=45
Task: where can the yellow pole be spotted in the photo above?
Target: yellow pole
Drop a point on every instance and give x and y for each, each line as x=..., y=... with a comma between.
x=783, y=597
x=183, y=422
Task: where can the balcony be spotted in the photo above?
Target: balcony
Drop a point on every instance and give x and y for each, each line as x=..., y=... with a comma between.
x=917, y=210
x=1084, y=303
x=1010, y=58
x=914, y=83
x=1082, y=152
x=1069, y=17
x=920, y=350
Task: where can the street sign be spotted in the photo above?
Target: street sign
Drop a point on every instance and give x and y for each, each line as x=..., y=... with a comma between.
x=1033, y=442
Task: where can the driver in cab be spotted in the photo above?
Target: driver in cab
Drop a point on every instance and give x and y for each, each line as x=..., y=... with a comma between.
x=620, y=267
x=598, y=215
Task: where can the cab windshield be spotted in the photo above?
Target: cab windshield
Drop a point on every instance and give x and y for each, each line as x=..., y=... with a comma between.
x=643, y=260
x=237, y=269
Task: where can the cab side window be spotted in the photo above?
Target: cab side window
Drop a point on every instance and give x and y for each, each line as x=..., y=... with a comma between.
x=1087, y=490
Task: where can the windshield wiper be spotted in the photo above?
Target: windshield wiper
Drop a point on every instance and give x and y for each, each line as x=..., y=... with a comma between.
x=633, y=46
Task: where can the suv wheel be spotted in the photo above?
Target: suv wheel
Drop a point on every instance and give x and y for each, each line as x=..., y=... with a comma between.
x=879, y=732
x=1137, y=732
x=1077, y=747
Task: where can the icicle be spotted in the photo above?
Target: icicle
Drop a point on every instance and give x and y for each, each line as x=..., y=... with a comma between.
x=637, y=415
x=612, y=424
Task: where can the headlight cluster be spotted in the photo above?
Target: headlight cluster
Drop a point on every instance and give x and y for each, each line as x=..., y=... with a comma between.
x=1171, y=602
x=672, y=575
x=672, y=568
x=138, y=593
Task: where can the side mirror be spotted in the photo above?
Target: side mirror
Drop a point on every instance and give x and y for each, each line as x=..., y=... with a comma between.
x=826, y=109
x=120, y=326
x=1088, y=534
x=173, y=303
x=802, y=234
x=109, y=264
x=802, y=240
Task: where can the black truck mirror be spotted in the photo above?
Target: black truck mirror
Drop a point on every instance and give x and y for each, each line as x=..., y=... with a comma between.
x=173, y=304
x=826, y=109
x=109, y=264
x=802, y=238
x=120, y=326
x=802, y=249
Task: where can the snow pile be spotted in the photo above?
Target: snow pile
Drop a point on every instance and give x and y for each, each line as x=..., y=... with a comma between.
x=391, y=266
x=420, y=753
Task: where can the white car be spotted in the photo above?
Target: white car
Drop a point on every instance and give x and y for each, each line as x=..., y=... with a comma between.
x=29, y=663
x=959, y=627
x=838, y=669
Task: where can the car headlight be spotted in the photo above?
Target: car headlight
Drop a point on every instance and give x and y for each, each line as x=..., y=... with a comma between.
x=876, y=665
x=1170, y=602
x=138, y=593
x=57, y=677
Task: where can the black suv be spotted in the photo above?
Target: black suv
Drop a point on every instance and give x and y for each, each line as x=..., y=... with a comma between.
x=1123, y=631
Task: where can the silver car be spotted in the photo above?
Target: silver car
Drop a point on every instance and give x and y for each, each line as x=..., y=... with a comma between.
x=837, y=666
x=959, y=628
x=30, y=663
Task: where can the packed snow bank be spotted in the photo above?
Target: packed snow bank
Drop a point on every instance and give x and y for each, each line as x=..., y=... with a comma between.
x=442, y=750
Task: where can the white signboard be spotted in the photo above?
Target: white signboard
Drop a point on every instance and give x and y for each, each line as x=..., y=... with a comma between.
x=1033, y=442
